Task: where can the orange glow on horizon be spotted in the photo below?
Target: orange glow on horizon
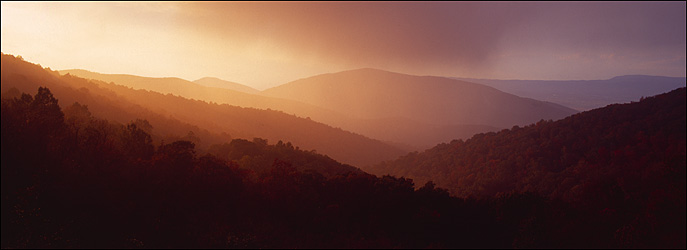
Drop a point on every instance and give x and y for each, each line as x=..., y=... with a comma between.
x=267, y=44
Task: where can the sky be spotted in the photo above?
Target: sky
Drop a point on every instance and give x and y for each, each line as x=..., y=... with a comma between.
x=265, y=44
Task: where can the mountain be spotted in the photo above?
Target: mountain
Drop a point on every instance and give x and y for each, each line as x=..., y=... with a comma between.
x=409, y=134
x=219, y=83
x=66, y=174
x=70, y=180
x=199, y=91
x=220, y=95
x=587, y=94
x=413, y=135
x=624, y=163
x=376, y=94
x=622, y=150
x=124, y=104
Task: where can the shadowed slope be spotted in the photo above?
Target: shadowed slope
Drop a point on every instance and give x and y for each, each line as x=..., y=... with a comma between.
x=631, y=147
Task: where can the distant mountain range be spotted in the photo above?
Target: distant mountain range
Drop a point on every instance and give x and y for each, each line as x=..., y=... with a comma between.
x=176, y=117
x=219, y=83
x=217, y=91
x=375, y=94
x=207, y=89
x=408, y=111
x=408, y=106
x=587, y=94
x=166, y=162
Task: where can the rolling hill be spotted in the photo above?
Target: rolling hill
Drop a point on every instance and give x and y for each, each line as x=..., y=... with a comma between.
x=65, y=174
x=124, y=104
x=624, y=163
x=219, y=83
x=222, y=95
x=390, y=107
x=377, y=94
x=403, y=132
x=622, y=150
x=587, y=94
x=608, y=178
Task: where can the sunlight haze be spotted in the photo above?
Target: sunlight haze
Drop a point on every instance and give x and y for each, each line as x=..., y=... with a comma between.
x=264, y=45
x=329, y=125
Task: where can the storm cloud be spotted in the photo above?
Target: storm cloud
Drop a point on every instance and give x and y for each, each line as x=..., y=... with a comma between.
x=266, y=44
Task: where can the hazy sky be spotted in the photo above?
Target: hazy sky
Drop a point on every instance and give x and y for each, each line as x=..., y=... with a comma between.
x=267, y=44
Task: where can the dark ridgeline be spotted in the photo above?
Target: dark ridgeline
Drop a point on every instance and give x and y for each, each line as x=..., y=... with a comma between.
x=564, y=158
x=625, y=161
x=71, y=179
x=77, y=181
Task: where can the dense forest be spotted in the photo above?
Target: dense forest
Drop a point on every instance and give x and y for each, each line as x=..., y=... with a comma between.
x=73, y=180
x=96, y=170
x=626, y=160
x=343, y=125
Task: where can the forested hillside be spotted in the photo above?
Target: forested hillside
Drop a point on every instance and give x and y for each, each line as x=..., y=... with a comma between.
x=625, y=159
x=619, y=147
x=343, y=125
x=70, y=180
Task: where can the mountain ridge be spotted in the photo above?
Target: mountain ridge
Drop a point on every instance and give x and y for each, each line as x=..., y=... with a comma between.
x=587, y=94
x=553, y=158
x=438, y=99
x=423, y=131
x=239, y=122
x=221, y=83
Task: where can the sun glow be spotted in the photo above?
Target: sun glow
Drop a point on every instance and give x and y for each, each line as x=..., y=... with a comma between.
x=268, y=44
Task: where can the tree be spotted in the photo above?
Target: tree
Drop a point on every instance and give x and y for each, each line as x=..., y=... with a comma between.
x=176, y=159
x=137, y=142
